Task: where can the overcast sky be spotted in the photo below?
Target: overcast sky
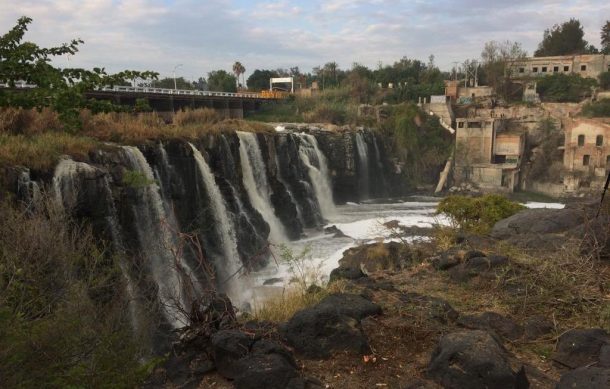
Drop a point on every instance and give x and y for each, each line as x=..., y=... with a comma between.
x=207, y=35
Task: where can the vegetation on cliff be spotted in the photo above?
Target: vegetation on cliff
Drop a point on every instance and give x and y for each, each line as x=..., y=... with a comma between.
x=63, y=312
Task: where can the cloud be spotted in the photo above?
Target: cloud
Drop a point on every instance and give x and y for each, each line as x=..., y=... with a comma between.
x=212, y=34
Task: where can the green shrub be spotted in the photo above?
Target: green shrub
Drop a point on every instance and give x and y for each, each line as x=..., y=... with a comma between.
x=477, y=214
x=563, y=88
x=136, y=179
x=604, y=80
x=600, y=108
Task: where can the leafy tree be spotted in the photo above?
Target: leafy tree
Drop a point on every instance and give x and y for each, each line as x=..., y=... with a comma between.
x=259, y=79
x=498, y=59
x=564, y=88
x=221, y=81
x=238, y=69
x=60, y=89
x=564, y=39
x=168, y=83
x=605, y=37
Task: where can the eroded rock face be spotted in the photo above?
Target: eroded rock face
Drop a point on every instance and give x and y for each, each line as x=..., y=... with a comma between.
x=473, y=359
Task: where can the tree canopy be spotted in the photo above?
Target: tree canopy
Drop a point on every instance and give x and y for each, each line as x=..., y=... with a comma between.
x=605, y=38
x=222, y=81
x=564, y=39
x=259, y=79
x=59, y=89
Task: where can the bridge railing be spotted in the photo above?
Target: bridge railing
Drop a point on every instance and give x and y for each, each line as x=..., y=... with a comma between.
x=182, y=92
x=166, y=91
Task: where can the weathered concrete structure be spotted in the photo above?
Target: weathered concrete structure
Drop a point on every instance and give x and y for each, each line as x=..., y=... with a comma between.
x=587, y=153
x=488, y=154
x=589, y=65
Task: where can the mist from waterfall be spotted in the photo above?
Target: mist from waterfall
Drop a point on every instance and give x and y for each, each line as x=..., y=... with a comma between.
x=230, y=267
x=174, y=278
x=257, y=185
x=363, y=166
x=317, y=168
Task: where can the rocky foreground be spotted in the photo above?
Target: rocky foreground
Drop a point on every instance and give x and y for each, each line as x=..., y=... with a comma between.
x=525, y=307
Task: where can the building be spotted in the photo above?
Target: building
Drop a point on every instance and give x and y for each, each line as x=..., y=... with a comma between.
x=586, y=153
x=589, y=65
x=488, y=154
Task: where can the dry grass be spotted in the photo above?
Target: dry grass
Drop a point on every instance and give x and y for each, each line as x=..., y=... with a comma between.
x=128, y=128
x=283, y=306
x=17, y=121
x=41, y=151
x=377, y=252
x=35, y=138
x=443, y=237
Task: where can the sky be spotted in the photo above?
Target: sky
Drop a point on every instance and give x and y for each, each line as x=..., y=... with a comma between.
x=206, y=35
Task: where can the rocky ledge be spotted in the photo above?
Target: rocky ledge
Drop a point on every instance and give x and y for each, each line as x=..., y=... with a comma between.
x=478, y=314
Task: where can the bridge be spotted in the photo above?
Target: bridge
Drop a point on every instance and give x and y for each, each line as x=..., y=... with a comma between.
x=167, y=101
x=162, y=100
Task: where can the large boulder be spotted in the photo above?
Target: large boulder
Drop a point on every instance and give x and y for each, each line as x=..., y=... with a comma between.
x=473, y=359
x=351, y=305
x=229, y=347
x=377, y=256
x=317, y=332
x=331, y=325
x=538, y=221
x=581, y=347
x=585, y=377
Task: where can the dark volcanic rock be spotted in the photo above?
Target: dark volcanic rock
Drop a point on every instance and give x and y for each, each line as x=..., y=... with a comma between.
x=267, y=371
x=345, y=273
x=377, y=256
x=473, y=359
x=585, y=377
x=538, y=221
x=318, y=331
x=351, y=305
x=230, y=346
x=502, y=325
x=580, y=347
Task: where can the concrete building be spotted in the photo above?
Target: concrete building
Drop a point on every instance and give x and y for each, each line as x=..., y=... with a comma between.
x=488, y=154
x=589, y=65
x=586, y=153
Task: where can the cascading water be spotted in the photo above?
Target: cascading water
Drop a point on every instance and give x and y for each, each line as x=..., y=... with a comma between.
x=381, y=189
x=175, y=280
x=363, y=166
x=257, y=185
x=314, y=160
x=231, y=265
x=64, y=185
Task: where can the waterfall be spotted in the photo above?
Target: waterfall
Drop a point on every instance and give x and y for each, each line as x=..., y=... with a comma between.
x=380, y=176
x=175, y=280
x=225, y=228
x=256, y=184
x=65, y=188
x=314, y=160
x=363, y=166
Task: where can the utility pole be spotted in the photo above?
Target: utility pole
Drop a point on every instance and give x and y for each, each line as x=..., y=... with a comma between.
x=174, y=74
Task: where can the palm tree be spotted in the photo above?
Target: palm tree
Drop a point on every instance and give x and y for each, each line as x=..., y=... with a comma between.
x=238, y=69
